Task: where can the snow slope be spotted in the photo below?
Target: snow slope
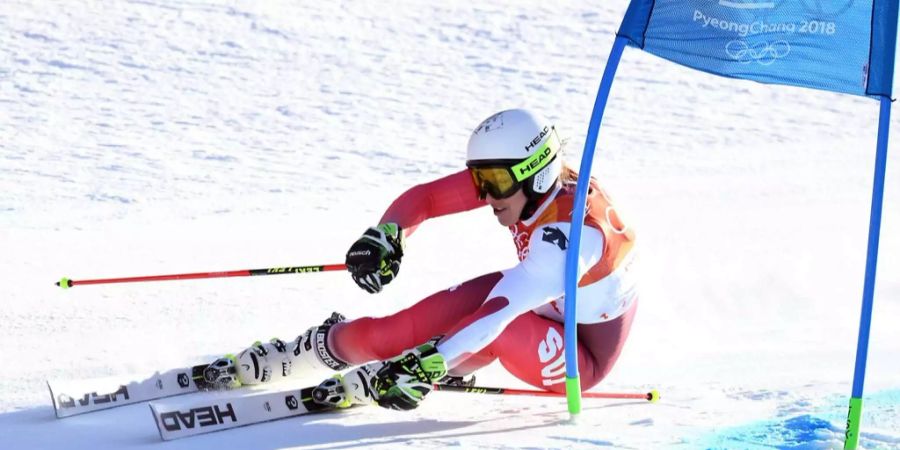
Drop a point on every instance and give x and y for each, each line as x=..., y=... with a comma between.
x=149, y=137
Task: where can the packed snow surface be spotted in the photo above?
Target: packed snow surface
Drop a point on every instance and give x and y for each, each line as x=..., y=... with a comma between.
x=151, y=137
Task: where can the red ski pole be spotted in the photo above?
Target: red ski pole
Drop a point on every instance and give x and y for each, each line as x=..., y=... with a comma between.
x=66, y=283
x=652, y=396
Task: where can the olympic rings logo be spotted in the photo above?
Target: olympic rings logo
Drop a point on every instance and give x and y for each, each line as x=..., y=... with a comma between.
x=763, y=53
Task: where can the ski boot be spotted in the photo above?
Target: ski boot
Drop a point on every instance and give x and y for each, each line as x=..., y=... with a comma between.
x=274, y=360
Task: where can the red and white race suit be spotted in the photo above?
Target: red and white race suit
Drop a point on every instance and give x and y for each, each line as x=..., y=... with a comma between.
x=516, y=314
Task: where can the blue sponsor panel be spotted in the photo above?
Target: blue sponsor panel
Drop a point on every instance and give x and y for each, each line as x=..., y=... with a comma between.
x=817, y=44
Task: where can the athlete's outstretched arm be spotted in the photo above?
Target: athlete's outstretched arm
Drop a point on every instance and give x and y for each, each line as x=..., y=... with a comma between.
x=537, y=280
x=448, y=195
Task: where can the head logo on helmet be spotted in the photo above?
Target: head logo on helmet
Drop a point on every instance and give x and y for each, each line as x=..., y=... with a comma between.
x=523, y=142
x=537, y=139
x=524, y=169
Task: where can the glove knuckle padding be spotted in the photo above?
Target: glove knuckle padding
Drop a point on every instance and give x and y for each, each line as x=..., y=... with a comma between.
x=403, y=382
x=374, y=259
x=400, y=383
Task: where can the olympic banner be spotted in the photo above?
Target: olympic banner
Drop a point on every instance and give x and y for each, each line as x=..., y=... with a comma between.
x=833, y=45
x=845, y=46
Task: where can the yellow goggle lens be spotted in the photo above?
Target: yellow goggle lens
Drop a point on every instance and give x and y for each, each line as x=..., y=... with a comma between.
x=496, y=181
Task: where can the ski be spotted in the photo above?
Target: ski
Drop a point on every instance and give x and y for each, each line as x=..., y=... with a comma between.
x=71, y=397
x=222, y=410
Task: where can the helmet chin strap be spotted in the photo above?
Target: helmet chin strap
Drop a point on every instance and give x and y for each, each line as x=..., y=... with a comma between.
x=534, y=199
x=530, y=207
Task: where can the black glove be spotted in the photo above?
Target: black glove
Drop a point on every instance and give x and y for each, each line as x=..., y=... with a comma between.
x=403, y=382
x=374, y=259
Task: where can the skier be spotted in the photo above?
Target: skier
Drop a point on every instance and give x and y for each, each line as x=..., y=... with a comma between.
x=515, y=315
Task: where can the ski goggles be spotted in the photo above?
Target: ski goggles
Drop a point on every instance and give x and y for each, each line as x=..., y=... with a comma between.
x=496, y=181
x=502, y=178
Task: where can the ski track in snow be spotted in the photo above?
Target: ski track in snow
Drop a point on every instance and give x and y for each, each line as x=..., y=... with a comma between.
x=150, y=137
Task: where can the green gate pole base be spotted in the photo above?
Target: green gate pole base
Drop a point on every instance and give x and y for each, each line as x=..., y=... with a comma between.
x=573, y=395
x=851, y=437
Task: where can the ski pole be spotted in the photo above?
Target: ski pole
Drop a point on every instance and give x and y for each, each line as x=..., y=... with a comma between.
x=66, y=283
x=652, y=396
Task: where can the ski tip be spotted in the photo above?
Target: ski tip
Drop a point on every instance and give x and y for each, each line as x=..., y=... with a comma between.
x=156, y=421
x=653, y=396
x=53, y=399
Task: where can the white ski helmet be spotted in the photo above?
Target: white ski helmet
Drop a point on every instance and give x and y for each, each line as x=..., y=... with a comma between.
x=512, y=149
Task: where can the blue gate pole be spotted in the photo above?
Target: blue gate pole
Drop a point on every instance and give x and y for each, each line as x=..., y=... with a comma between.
x=851, y=437
x=573, y=382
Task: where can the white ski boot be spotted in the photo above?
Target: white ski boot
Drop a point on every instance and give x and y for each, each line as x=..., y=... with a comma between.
x=308, y=355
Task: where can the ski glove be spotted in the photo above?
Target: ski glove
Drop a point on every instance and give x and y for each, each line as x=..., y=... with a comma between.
x=403, y=382
x=374, y=259
x=399, y=383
